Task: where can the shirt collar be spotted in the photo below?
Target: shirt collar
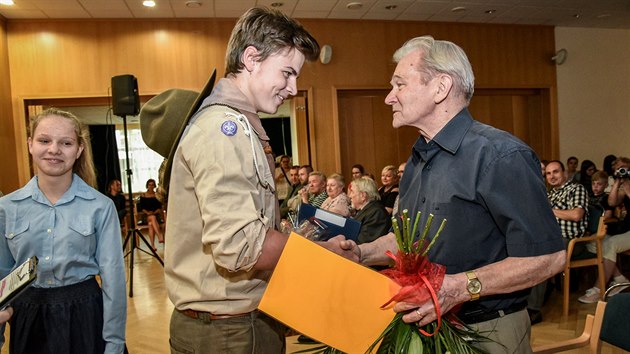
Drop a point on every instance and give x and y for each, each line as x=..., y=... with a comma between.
x=78, y=188
x=450, y=137
x=563, y=186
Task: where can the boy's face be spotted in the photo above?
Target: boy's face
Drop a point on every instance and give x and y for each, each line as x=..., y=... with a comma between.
x=598, y=186
x=274, y=79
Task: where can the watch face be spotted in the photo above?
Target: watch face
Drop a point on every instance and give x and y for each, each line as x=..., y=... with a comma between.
x=474, y=286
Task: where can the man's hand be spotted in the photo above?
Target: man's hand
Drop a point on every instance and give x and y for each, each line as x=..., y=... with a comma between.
x=450, y=294
x=341, y=246
x=5, y=315
x=350, y=245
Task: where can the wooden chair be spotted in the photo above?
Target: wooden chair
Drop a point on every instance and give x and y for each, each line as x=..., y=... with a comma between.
x=605, y=325
x=597, y=260
x=590, y=335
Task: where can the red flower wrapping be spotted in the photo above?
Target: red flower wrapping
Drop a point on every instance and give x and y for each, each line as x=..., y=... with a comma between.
x=408, y=270
x=419, y=279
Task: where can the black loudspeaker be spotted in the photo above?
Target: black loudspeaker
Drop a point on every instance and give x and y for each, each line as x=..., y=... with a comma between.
x=125, y=96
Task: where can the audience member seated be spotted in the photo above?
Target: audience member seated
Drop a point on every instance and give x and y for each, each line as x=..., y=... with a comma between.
x=283, y=182
x=316, y=192
x=618, y=199
x=357, y=171
x=599, y=199
x=584, y=176
x=572, y=165
x=375, y=221
x=295, y=201
x=543, y=166
x=609, y=166
x=389, y=190
x=294, y=177
x=337, y=201
x=401, y=169
x=612, y=244
x=569, y=202
x=114, y=192
x=152, y=209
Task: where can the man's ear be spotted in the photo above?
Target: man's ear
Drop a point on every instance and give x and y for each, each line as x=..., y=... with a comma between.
x=250, y=58
x=444, y=87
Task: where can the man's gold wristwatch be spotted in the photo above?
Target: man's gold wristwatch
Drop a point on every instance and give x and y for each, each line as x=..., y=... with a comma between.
x=473, y=286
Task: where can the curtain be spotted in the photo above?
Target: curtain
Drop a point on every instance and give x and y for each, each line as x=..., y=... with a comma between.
x=105, y=153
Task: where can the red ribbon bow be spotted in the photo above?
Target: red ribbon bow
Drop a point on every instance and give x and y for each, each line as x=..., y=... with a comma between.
x=419, y=280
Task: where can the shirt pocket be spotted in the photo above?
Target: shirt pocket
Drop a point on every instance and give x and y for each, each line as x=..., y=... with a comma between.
x=16, y=231
x=82, y=236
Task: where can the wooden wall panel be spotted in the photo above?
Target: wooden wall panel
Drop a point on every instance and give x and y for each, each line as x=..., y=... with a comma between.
x=78, y=58
x=368, y=138
x=8, y=163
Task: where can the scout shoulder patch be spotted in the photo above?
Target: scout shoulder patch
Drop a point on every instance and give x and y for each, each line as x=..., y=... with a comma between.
x=228, y=128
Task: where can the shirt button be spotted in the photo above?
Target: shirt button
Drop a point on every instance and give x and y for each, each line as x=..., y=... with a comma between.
x=428, y=167
x=47, y=258
x=49, y=230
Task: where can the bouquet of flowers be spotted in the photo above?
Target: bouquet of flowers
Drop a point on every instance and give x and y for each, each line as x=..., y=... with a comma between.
x=420, y=280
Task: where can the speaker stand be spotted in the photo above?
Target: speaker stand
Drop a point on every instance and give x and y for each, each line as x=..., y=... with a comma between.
x=133, y=232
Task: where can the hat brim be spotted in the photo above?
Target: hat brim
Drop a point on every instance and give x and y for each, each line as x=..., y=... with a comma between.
x=205, y=92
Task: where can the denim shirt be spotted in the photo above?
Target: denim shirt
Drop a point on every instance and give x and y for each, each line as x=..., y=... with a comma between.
x=75, y=239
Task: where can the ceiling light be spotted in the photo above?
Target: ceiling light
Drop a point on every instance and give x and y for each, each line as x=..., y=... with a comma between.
x=391, y=7
x=193, y=4
x=576, y=16
x=277, y=4
x=458, y=9
x=606, y=15
x=148, y=3
x=6, y=2
x=490, y=11
x=354, y=5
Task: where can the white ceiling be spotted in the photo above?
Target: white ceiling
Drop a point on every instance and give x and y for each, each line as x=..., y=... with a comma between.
x=565, y=13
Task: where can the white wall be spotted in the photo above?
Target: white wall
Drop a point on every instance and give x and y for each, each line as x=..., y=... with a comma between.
x=594, y=93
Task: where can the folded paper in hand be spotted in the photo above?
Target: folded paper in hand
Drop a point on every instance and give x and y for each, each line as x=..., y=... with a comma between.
x=328, y=297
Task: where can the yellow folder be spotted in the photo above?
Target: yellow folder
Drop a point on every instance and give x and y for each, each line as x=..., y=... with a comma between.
x=327, y=297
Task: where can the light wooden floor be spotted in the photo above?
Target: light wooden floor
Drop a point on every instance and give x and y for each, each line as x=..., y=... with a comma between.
x=149, y=313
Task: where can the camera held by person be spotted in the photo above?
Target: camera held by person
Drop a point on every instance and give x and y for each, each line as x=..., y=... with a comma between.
x=622, y=172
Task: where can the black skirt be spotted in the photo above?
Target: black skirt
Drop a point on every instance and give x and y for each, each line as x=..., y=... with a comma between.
x=67, y=319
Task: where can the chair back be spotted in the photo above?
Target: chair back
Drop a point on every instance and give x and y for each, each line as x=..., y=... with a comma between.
x=584, y=259
x=616, y=327
x=594, y=213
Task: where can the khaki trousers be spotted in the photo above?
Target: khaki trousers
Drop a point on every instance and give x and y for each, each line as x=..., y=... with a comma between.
x=255, y=333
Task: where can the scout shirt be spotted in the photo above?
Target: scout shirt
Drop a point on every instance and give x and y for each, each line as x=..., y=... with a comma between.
x=221, y=205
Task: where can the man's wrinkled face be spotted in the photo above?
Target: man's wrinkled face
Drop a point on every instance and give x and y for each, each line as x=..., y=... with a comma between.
x=412, y=95
x=316, y=184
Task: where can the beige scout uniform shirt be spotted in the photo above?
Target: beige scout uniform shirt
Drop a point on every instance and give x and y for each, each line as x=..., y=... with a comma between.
x=219, y=214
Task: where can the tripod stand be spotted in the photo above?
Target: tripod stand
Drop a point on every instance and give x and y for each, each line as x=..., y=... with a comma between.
x=133, y=232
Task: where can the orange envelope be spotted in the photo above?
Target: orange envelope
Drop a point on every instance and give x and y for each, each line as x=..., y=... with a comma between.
x=328, y=297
